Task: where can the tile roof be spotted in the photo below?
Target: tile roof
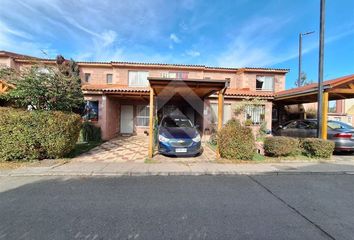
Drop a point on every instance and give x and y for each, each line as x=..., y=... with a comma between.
x=313, y=86
x=25, y=58
x=115, y=88
x=248, y=93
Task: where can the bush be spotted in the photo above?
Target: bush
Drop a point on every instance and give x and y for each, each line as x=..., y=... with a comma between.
x=27, y=135
x=318, y=148
x=236, y=141
x=90, y=132
x=281, y=146
x=213, y=139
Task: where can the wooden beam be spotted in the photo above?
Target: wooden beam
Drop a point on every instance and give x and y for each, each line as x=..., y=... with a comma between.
x=351, y=85
x=220, y=115
x=342, y=90
x=324, y=115
x=151, y=124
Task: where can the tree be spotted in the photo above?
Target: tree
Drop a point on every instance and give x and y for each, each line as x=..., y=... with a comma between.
x=48, y=87
x=303, y=80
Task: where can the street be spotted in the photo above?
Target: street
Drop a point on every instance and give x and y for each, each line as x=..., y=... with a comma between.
x=294, y=206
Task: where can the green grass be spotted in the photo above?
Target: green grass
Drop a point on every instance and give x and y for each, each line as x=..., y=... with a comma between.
x=150, y=161
x=82, y=147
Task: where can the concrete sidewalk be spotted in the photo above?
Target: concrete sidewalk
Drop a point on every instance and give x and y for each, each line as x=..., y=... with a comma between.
x=144, y=169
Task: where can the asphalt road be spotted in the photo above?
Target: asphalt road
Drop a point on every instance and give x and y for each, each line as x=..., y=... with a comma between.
x=201, y=207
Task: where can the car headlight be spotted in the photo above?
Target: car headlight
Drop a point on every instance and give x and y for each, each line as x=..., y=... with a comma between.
x=162, y=139
x=197, y=138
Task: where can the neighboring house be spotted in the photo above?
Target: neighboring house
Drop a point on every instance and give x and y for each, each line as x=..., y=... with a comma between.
x=339, y=110
x=117, y=93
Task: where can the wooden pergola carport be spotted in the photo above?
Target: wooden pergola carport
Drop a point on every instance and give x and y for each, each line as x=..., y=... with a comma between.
x=198, y=88
x=336, y=89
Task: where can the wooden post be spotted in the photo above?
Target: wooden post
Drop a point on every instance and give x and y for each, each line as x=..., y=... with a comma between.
x=220, y=114
x=220, y=109
x=151, y=124
x=325, y=115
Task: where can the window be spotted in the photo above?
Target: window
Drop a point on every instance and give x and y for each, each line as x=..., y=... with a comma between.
x=176, y=75
x=214, y=113
x=255, y=113
x=87, y=77
x=138, y=79
x=90, y=111
x=265, y=83
x=109, y=78
x=332, y=106
x=142, y=115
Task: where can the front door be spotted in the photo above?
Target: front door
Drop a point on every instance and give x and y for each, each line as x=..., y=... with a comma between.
x=126, y=119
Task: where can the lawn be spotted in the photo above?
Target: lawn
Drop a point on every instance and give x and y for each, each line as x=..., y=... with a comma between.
x=82, y=147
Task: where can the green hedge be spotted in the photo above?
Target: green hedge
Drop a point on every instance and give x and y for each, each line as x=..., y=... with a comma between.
x=90, y=133
x=236, y=141
x=281, y=146
x=27, y=135
x=318, y=148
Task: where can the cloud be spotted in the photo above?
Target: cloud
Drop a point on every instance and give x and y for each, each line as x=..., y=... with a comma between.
x=192, y=53
x=259, y=43
x=174, y=38
x=254, y=45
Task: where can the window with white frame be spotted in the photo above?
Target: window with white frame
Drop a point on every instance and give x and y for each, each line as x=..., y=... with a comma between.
x=227, y=113
x=109, y=78
x=265, y=83
x=255, y=114
x=138, y=78
x=175, y=75
x=142, y=115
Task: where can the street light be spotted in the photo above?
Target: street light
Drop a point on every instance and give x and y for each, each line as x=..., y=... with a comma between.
x=300, y=56
x=320, y=69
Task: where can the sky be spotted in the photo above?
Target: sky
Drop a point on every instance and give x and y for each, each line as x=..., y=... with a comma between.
x=234, y=33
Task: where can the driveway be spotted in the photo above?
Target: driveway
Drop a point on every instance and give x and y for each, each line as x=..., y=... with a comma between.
x=134, y=149
x=203, y=207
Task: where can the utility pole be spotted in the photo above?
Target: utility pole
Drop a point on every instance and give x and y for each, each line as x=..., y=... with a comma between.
x=300, y=57
x=320, y=70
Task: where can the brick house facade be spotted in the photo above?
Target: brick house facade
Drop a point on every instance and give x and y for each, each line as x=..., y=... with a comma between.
x=118, y=92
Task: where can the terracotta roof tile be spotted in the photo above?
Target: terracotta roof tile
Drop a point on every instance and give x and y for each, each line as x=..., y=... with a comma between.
x=248, y=93
x=114, y=88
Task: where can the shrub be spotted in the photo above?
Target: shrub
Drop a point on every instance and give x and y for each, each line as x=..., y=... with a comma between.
x=213, y=139
x=318, y=148
x=89, y=132
x=236, y=141
x=281, y=146
x=27, y=135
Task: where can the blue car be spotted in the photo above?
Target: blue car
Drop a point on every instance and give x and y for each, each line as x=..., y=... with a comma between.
x=178, y=137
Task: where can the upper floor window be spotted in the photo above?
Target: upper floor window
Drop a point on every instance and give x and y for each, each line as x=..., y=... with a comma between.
x=109, y=78
x=176, y=75
x=138, y=79
x=87, y=77
x=265, y=83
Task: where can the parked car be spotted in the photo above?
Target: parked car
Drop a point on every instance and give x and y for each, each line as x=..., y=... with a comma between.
x=341, y=133
x=178, y=137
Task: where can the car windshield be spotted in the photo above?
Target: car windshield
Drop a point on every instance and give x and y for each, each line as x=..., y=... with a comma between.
x=338, y=125
x=174, y=122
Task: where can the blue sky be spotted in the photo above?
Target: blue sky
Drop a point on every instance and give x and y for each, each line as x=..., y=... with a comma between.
x=252, y=33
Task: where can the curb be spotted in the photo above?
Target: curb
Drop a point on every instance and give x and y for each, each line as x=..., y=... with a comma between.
x=145, y=174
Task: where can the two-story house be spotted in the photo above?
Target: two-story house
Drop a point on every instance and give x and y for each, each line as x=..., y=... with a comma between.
x=117, y=93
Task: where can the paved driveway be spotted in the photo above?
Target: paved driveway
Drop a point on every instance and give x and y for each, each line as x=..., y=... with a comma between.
x=134, y=149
